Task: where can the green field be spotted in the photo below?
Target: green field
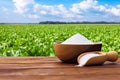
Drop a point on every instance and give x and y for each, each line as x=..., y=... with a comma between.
x=37, y=39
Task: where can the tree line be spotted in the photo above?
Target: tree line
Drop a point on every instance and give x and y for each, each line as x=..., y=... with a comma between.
x=59, y=22
x=84, y=22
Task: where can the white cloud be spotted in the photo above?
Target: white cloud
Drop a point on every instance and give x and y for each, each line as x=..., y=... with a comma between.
x=5, y=9
x=118, y=6
x=87, y=4
x=21, y=5
x=101, y=8
x=55, y=10
x=33, y=16
x=84, y=5
x=36, y=7
x=43, y=12
x=77, y=11
x=45, y=9
x=79, y=8
x=115, y=11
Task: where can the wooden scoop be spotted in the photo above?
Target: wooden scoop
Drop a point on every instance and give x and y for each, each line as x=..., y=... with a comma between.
x=96, y=58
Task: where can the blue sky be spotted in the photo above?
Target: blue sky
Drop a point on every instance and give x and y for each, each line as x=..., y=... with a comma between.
x=34, y=11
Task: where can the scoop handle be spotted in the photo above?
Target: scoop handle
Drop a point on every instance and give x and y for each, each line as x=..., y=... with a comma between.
x=111, y=56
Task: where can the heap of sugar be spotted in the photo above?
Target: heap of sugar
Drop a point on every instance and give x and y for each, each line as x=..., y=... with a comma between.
x=77, y=39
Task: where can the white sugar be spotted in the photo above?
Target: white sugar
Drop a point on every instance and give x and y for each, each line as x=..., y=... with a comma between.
x=83, y=60
x=77, y=39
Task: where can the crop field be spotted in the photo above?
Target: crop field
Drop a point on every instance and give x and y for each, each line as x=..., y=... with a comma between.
x=37, y=39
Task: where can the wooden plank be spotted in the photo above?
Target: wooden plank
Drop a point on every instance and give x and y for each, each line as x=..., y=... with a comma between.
x=61, y=72
x=51, y=68
x=6, y=60
x=41, y=58
x=52, y=65
x=35, y=66
x=78, y=77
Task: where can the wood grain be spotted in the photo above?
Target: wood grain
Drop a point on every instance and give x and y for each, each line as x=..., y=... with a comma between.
x=51, y=68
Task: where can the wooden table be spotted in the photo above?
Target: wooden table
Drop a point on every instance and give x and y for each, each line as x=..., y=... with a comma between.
x=50, y=68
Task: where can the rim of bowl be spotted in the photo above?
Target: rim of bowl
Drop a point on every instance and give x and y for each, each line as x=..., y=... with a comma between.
x=59, y=43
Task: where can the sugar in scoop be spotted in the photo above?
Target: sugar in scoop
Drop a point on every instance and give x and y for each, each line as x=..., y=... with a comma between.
x=95, y=58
